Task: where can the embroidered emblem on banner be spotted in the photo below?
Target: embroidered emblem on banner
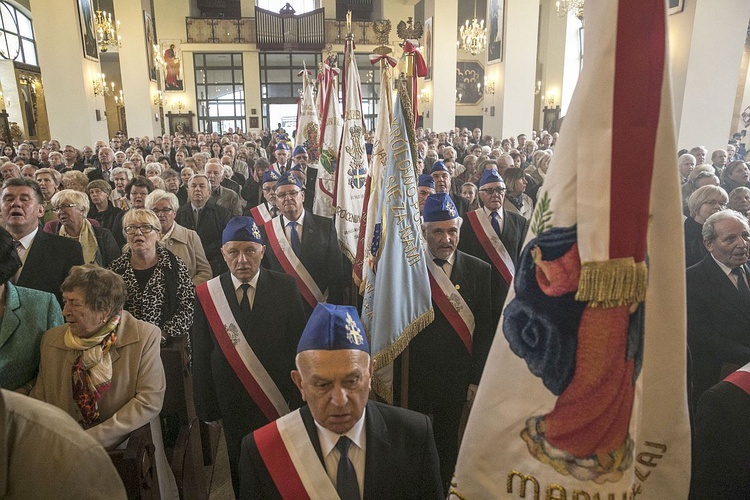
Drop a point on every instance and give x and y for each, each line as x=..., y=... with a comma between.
x=357, y=174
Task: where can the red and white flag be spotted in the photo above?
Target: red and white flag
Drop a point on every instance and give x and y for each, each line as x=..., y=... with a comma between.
x=584, y=393
x=351, y=175
x=330, y=138
x=308, y=120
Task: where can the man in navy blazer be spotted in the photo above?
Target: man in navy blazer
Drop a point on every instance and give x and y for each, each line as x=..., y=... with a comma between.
x=718, y=302
x=389, y=451
x=46, y=258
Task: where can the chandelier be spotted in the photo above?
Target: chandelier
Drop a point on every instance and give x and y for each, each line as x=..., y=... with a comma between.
x=107, y=31
x=573, y=6
x=473, y=36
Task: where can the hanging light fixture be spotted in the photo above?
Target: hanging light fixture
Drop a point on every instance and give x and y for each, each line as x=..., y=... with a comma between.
x=107, y=31
x=574, y=7
x=473, y=36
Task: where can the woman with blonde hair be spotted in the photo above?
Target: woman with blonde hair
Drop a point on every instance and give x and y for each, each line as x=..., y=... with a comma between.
x=703, y=203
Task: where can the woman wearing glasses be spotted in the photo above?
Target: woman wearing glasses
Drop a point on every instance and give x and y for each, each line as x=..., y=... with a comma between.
x=703, y=203
x=158, y=284
x=98, y=244
x=181, y=241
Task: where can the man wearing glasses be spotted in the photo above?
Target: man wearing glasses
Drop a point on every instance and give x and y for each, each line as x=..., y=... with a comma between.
x=304, y=245
x=495, y=236
x=46, y=258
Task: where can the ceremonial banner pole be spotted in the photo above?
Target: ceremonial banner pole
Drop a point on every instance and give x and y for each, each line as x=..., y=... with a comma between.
x=584, y=392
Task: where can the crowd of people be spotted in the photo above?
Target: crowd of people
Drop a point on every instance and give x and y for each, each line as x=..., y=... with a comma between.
x=108, y=252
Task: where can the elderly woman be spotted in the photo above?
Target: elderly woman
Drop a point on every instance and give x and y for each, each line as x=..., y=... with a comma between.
x=73, y=179
x=739, y=200
x=704, y=202
x=702, y=175
x=102, y=209
x=184, y=243
x=159, y=287
x=98, y=244
x=735, y=175
x=154, y=170
x=103, y=366
x=49, y=181
x=516, y=199
x=25, y=314
x=537, y=171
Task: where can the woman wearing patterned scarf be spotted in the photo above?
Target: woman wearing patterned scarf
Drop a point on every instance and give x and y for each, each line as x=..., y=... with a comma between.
x=103, y=366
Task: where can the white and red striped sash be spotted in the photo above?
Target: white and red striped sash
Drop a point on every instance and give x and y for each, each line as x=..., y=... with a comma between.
x=452, y=305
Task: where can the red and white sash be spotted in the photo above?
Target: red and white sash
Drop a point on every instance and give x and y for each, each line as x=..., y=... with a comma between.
x=291, y=460
x=492, y=244
x=740, y=378
x=292, y=265
x=451, y=304
x=261, y=214
x=251, y=372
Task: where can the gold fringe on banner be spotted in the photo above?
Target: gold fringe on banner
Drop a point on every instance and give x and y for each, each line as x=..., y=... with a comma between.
x=612, y=283
x=404, y=93
x=388, y=355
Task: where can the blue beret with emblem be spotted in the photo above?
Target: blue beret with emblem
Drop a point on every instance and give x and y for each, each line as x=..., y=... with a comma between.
x=270, y=176
x=333, y=328
x=439, y=166
x=490, y=175
x=289, y=179
x=299, y=150
x=241, y=229
x=439, y=207
x=425, y=180
x=281, y=146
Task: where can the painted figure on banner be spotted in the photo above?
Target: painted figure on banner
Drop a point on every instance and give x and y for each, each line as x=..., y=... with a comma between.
x=173, y=77
x=589, y=356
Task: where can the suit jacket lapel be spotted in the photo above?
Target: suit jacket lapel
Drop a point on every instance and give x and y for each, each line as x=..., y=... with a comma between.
x=378, y=447
x=308, y=236
x=725, y=285
x=312, y=431
x=10, y=321
x=228, y=287
x=36, y=252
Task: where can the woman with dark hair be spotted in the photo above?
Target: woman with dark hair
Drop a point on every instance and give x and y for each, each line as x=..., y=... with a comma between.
x=9, y=151
x=103, y=367
x=25, y=315
x=516, y=199
x=215, y=149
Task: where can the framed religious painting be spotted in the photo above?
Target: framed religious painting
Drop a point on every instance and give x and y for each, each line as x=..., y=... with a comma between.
x=88, y=31
x=427, y=48
x=496, y=34
x=676, y=6
x=180, y=123
x=149, y=30
x=172, y=55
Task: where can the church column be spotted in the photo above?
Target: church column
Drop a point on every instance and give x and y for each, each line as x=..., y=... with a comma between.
x=441, y=108
x=706, y=44
x=515, y=76
x=66, y=75
x=135, y=57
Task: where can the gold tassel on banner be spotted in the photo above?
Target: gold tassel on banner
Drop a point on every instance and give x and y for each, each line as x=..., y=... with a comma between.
x=612, y=283
x=391, y=353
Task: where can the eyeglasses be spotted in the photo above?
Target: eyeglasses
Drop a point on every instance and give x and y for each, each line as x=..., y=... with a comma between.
x=66, y=206
x=162, y=211
x=145, y=229
x=287, y=194
x=492, y=191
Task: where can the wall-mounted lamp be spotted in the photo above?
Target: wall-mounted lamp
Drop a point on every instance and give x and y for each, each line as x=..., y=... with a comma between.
x=424, y=96
x=101, y=87
x=120, y=100
x=159, y=98
x=538, y=87
x=489, y=85
x=178, y=104
x=549, y=99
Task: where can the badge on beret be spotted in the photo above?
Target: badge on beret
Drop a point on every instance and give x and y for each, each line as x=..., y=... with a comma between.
x=439, y=207
x=281, y=146
x=241, y=229
x=289, y=179
x=490, y=175
x=332, y=328
x=270, y=176
x=299, y=150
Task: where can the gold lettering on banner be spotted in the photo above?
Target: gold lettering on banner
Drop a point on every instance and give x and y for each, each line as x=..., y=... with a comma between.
x=648, y=459
x=581, y=495
x=524, y=479
x=353, y=114
x=528, y=486
x=559, y=490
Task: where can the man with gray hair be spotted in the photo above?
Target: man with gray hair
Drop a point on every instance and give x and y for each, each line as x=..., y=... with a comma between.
x=718, y=301
x=700, y=153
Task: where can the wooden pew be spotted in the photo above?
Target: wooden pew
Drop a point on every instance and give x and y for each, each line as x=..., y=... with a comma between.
x=136, y=466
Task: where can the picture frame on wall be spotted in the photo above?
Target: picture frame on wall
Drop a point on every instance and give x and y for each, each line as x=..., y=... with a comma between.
x=427, y=48
x=149, y=30
x=496, y=35
x=171, y=51
x=181, y=122
x=676, y=6
x=88, y=31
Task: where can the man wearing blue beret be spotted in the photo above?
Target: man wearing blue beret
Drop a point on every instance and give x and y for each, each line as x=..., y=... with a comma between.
x=443, y=179
x=340, y=445
x=494, y=235
x=301, y=158
x=281, y=154
x=446, y=359
x=247, y=326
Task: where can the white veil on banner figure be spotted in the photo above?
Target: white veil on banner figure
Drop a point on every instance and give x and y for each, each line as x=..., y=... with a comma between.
x=584, y=394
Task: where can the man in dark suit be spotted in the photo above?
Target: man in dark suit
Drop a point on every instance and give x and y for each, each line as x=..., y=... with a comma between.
x=446, y=359
x=313, y=237
x=46, y=258
x=206, y=218
x=721, y=442
x=281, y=154
x=265, y=316
x=490, y=241
x=718, y=302
x=300, y=158
x=349, y=447
x=443, y=179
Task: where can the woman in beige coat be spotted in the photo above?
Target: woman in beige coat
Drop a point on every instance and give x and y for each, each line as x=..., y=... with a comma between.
x=103, y=367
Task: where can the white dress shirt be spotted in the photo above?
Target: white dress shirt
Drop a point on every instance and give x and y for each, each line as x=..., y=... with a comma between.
x=331, y=455
x=288, y=230
x=250, y=291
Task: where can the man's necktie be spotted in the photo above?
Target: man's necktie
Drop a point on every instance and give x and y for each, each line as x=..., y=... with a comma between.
x=18, y=246
x=274, y=211
x=346, y=477
x=196, y=216
x=496, y=223
x=742, y=284
x=294, y=238
x=245, y=301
